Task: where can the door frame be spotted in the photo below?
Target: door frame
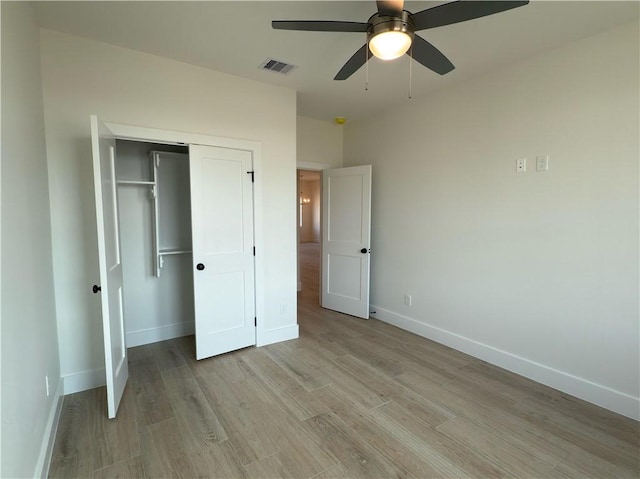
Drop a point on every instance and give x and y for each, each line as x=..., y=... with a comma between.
x=170, y=137
x=309, y=166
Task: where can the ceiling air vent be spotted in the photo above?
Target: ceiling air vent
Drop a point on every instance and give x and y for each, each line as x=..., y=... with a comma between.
x=276, y=66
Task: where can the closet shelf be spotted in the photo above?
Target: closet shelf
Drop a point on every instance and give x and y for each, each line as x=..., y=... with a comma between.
x=174, y=251
x=136, y=182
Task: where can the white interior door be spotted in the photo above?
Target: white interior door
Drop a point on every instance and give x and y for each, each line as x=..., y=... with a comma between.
x=346, y=236
x=223, y=257
x=115, y=350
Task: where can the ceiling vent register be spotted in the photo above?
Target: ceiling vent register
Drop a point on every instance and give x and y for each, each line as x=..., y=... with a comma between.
x=276, y=66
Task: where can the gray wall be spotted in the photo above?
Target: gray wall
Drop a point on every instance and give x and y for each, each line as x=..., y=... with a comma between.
x=534, y=271
x=29, y=339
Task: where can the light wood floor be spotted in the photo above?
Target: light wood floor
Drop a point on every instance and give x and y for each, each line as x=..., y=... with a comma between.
x=350, y=398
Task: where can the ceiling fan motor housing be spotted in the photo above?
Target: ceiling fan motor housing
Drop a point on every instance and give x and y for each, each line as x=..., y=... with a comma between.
x=384, y=23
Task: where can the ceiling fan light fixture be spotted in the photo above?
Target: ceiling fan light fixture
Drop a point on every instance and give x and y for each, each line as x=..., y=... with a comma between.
x=390, y=45
x=390, y=37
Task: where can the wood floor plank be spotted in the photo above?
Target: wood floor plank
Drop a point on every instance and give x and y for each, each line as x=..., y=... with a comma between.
x=606, y=421
x=373, y=357
x=139, y=352
x=152, y=400
x=587, y=437
x=164, y=452
x=511, y=383
x=217, y=461
x=71, y=455
x=199, y=424
x=130, y=468
x=285, y=386
x=496, y=397
x=450, y=458
x=359, y=458
x=388, y=446
x=422, y=385
x=324, y=347
x=314, y=362
x=168, y=354
x=413, y=353
x=120, y=434
x=389, y=390
x=520, y=463
x=269, y=467
x=300, y=364
x=335, y=472
x=248, y=414
x=581, y=464
x=304, y=455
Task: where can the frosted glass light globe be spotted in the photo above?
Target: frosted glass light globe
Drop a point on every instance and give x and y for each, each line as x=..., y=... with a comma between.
x=390, y=45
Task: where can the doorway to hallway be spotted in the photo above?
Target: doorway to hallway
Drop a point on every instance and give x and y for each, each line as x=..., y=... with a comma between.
x=310, y=272
x=309, y=201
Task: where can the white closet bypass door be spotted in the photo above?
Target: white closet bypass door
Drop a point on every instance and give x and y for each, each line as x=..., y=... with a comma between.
x=223, y=261
x=346, y=235
x=115, y=349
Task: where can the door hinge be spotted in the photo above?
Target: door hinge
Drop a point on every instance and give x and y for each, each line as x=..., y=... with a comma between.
x=252, y=173
x=254, y=251
x=255, y=322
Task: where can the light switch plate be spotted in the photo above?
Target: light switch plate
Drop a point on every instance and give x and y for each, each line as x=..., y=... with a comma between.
x=542, y=163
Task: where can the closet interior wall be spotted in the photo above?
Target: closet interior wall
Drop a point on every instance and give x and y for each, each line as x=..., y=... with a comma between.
x=158, y=302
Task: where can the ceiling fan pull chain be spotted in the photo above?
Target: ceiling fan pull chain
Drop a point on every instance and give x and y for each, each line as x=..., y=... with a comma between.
x=366, y=61
x=410, y=69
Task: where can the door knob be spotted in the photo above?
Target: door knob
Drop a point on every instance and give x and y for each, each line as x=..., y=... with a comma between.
x=199, y=266
x=96, y=288
x=363, y=250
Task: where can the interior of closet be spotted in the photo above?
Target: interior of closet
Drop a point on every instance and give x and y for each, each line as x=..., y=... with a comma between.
x=155, y=238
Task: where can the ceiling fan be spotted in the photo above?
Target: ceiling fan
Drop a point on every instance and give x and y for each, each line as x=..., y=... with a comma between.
x=391, y=31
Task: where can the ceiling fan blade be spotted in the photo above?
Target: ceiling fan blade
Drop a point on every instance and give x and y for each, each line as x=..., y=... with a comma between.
x=461, y=11
x=391, y=8
x=358, y=59
x=320, y=26
x=423, y=52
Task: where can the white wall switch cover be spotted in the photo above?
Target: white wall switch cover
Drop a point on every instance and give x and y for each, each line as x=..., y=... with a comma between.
x=542, y=163
x=521, y=165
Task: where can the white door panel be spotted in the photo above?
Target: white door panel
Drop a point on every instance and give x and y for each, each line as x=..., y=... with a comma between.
x=109, y=262
x=346, y=203
x=222, y=222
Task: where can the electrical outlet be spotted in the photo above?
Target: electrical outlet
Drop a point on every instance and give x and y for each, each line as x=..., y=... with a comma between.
x=407, y=300
x=46, y=384
x=283, y=307
x=521, y=165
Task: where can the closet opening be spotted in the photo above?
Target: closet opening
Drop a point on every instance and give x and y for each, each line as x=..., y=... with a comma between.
x=155, y=238
x=178, y=250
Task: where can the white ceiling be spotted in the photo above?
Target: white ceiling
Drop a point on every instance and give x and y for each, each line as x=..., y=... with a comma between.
x=235, y=37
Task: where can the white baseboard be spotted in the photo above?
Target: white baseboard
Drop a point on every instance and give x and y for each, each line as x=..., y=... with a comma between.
x=49, y=438
x=271, y=336
x=162, y=333
x=76, y=382
x=598, y=394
